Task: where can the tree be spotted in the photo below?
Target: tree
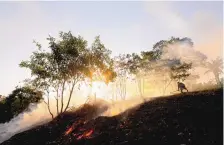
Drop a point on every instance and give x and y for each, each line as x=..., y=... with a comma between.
x=159, y=47
x=169, y=61
x=215, y=66
x=134, y=65
x=120, y=63
x=180, y=72
x=67, y=62
x=100, y=65
x=18, y=101
x=60, y=67
x=101, y=62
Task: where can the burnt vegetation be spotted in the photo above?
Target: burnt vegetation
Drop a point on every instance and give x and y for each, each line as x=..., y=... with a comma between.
x=189, y=118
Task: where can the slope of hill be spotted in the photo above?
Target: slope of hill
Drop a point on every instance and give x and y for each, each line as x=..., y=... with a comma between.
x=185, y=119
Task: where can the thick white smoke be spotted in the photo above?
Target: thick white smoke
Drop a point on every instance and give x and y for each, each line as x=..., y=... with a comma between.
x=37, y=115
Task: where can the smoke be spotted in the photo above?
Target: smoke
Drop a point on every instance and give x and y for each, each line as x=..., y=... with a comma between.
x=203, y=26
x=158, y=83
x=36, y=115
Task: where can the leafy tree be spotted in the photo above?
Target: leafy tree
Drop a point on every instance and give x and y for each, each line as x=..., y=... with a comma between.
x=67, y=62
x=159, y=47
x=133, y=66
x=215, y=66
x=100, y=65
x=18, y=101
x=180, y=72
x=100, y=62
x=122, y=75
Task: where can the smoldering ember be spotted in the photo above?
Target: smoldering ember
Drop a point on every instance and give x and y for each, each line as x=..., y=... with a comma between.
x=111, y=73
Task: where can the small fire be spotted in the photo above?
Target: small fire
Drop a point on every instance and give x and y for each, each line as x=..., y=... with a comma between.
x=73, y=127
x=69, y=131
x=86, y=134
x=76, y=126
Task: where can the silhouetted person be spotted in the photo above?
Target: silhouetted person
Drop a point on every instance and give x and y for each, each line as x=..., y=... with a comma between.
x=181, y=87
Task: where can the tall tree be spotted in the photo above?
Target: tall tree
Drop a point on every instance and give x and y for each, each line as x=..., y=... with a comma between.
x=160, y=47
x=100, y=64
x=215, y=66
x=62, y=65
x=67, y=62
x=122, y=76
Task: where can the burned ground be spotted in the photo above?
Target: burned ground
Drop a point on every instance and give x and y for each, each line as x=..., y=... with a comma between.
x=193, y=118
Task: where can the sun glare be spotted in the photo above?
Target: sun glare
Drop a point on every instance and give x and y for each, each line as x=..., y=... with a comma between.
x=98, y=88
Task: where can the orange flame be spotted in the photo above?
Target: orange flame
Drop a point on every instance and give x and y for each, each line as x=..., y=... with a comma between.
x=86, y=134
x=69, y=131
x=74, y=125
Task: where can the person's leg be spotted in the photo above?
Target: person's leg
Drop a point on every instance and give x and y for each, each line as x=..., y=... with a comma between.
x=181, y=89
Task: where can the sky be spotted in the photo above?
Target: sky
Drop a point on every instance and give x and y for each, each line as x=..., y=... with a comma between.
x=124, y=27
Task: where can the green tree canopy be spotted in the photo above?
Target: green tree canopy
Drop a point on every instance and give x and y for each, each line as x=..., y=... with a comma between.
x=18, y=101
x=66, y=62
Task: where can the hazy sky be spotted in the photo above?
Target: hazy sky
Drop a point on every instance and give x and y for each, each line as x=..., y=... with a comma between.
x=123, y=27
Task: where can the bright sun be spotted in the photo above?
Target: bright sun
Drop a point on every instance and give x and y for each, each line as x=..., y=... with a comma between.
x=99, y=89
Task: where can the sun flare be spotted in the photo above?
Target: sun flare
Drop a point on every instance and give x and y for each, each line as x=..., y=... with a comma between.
x=99, y=88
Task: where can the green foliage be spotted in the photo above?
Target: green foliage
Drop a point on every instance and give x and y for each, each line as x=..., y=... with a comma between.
x=18, y=101
x=181, y=71
x=100, y=62
x=148, y=56
x=66, y=62
x=134, y=63
x=158, y=48
x=61, y=63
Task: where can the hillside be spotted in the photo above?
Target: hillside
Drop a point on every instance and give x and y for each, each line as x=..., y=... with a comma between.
x=185, y=119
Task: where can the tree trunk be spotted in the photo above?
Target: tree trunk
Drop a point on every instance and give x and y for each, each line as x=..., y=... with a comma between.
x=117, y=90
x=56, y=98
x=62, y=96
x=120, y=89
x=140, y=89
x=70, y=95
x=164, y=91
x=143, y=86
x=217, y=78
x=48, y=106
x=124, y=89
x=57, y=101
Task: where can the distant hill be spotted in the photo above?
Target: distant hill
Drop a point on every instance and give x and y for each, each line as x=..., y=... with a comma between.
x=193, y=118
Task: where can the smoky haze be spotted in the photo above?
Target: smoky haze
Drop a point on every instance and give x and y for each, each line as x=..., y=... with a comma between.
x=154, y=86
x=208, y=39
